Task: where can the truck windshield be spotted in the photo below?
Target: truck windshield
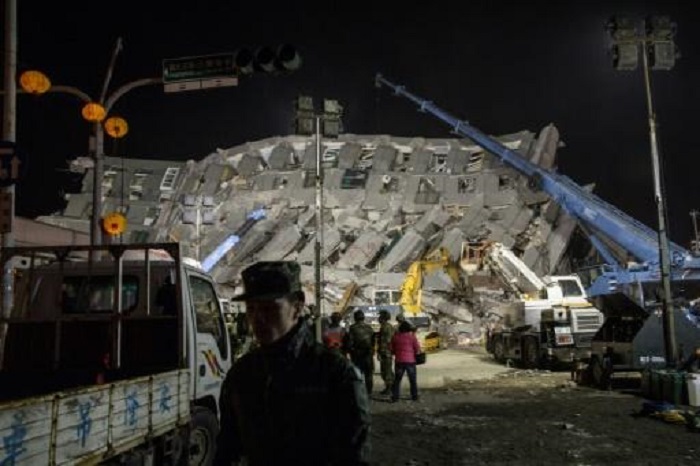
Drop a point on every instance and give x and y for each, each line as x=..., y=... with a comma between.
x=570, y=288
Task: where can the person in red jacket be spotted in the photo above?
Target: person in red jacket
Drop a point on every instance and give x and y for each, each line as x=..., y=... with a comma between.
x=405, y=346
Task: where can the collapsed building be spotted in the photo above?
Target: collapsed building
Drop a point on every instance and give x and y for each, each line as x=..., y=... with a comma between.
x=386, y=202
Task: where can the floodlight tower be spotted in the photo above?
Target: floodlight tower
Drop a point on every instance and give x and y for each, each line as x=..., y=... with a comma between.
x=659, y=52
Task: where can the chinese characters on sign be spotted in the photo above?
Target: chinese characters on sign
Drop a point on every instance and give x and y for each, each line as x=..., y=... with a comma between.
x=13, y=443
x=195, y=68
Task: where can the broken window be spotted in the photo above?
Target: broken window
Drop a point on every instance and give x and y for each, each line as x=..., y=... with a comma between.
x=387, y=297
x=353, y=179
x=476, y=162
x=309, y=178
x=427, y=192
x=108, y=182
x=390, y=184
x=504, y=182
x=281, y=182
x=136, y=186
x=466, y=185
x=366, y=158
x=151, y=216
x=168, y=181
x=439, y=163
x=330, y=155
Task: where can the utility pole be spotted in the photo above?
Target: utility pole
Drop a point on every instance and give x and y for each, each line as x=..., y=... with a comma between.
x=9, y=133
x=657, y=44
x=318, y=245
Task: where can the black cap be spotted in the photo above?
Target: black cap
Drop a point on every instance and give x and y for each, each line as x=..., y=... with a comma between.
x=270, y=280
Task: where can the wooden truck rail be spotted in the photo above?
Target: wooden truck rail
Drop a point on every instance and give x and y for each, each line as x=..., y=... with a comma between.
x=88, y=425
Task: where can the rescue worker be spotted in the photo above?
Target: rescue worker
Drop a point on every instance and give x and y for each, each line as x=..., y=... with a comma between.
x=334, y=335
x=290, y=400
x=360, y=346
x=386, y=333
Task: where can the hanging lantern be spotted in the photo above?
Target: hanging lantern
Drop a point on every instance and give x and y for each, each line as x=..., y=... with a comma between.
x=114, y=224
x=94, y=112
x=34, y=82
x=116, y=127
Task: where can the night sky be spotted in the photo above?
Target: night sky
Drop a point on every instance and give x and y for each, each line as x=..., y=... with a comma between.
x=503, y=67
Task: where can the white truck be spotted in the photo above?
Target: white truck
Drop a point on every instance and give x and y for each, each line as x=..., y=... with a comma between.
x=110, y=355
x=549, y=321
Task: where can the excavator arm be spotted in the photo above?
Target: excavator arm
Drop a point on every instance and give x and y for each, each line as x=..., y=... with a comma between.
x=411, y=287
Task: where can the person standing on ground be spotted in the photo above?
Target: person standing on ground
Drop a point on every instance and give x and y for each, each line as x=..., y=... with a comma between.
x=405, y=346
x=386, y=333
x=290, y=400
x=360, y=346
x=334, y=335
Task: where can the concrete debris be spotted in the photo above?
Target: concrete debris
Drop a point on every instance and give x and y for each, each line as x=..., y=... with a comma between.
x=408, y=249
x=387, y=202
x=281, y=244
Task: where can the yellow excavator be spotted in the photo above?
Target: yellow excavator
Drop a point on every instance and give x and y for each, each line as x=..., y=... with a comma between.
x=411, y=293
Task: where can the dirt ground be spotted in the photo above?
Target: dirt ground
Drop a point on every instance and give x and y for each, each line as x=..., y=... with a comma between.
x=514, y=416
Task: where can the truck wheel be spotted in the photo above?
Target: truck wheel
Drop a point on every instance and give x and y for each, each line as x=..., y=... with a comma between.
x=530, y=354
x=204, y=429
x=595, y=368
x=499, y=350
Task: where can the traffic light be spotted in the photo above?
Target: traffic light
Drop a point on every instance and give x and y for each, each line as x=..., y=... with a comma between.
x=285, y=58
x=661, y=49
x=624, y=43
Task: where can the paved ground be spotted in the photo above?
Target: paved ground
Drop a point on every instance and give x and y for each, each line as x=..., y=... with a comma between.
x=450, y=366
x=474, y=412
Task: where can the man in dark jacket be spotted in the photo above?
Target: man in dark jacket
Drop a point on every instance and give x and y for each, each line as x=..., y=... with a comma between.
x=291, y=400
x=360, y=346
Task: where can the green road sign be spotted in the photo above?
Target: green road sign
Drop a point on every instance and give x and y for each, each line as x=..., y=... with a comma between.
x=198, y=68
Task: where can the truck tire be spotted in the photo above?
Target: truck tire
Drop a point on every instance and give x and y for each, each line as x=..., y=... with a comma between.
x=595, y=369
x=499, y=350
x=203, y=431
x=530, y=353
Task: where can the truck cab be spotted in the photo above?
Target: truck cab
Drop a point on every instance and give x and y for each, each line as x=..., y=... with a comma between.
x=133, y=335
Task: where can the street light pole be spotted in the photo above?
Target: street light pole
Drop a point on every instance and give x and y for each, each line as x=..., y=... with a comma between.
x=9, y=133
x=98, y=156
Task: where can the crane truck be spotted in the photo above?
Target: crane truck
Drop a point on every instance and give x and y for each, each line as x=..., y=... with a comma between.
x=646, y=326
x=110, y=355
x=550, y=320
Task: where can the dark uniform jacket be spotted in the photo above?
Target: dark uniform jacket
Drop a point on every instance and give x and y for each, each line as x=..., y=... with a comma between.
x=294, y=402
x=386, y=333
x=360, y=340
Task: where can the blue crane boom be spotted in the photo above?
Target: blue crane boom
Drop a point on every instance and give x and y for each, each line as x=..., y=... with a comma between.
x=598, y=216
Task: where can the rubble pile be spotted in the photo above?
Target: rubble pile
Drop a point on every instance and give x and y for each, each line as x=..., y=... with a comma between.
x=387, y=201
